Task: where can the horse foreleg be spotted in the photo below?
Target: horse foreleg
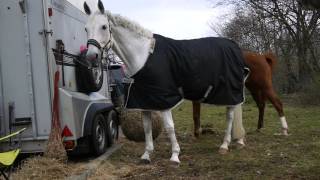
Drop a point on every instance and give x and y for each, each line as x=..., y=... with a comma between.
x=196, y=106
x=261, y=103
x=169, y=127
x=261, y=107
x=147, y=126
x=227, y=138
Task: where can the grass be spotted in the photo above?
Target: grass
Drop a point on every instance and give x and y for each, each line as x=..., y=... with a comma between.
x=266, y=155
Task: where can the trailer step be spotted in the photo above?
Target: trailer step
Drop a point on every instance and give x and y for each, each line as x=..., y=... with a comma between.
x=22, y=121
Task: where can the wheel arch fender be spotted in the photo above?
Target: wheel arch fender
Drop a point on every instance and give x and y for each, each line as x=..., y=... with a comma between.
x=94, y=109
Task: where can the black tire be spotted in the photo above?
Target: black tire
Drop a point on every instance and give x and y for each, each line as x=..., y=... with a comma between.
x=99, y=135
x=112, y=127
x=89, y=74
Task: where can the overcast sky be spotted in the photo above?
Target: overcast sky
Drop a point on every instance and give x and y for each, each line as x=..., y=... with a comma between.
x=179, y=19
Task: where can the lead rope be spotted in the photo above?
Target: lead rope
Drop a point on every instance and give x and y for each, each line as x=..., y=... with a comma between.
x=128, y=94
x=108, y=61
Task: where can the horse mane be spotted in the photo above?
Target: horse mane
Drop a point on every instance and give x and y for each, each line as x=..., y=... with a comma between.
x=119, y=20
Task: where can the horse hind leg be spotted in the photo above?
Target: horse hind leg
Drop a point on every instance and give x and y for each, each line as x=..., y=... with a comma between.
x=271, y=95
x=169, y=127
x=147, y=126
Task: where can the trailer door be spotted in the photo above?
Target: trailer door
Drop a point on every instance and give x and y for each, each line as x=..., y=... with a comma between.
x=24, y=72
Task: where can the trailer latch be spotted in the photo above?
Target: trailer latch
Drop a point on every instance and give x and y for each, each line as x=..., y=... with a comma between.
x=45, y=32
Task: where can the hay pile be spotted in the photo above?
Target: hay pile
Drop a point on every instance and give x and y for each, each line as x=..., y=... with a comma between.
x=55, y=148
x=42, y=168
x=132, y=125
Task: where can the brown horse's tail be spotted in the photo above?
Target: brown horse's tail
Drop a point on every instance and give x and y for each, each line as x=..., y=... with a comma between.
x=271, y=60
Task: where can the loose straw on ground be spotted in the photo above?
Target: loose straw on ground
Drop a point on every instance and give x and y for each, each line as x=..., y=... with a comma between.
x=55, y=148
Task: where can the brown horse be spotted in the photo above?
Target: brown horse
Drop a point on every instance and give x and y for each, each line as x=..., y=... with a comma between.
x=259, y=83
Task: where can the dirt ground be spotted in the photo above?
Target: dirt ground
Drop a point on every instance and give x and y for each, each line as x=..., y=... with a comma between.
x=266, y=156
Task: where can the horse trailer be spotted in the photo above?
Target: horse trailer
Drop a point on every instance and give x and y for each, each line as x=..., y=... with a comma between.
x=31, y=33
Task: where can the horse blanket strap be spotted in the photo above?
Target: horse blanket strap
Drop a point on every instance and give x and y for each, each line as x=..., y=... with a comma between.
x=206, y=94
x=210, y=69
x=181, y=92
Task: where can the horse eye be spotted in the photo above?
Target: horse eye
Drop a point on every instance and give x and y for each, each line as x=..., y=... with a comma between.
x=104, y=27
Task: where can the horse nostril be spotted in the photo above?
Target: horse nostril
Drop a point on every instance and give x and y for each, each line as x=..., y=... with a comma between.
x=92, y=56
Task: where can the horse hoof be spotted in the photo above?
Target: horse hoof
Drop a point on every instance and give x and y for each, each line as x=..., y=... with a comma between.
x=223, y=151
x=285, y=132
x=144, y=161
x=240, y=146
x=174, y=160
x=174, y=163
x=196, y=135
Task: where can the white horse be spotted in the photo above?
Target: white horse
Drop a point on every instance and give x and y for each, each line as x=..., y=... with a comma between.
x=133, y=44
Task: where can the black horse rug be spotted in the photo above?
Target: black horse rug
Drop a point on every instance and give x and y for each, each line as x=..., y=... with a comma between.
x=210, y=70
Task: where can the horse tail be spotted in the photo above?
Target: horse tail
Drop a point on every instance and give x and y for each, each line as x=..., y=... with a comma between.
x=271, y=60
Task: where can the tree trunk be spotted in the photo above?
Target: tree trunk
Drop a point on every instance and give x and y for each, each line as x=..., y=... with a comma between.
x=305, y=71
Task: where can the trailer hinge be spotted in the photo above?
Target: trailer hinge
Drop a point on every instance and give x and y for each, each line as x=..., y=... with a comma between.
x=45, y=32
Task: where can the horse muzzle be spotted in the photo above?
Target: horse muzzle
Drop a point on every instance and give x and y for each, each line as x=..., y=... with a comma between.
x=91, y=55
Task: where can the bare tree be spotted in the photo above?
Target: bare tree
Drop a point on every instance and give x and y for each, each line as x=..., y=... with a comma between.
x=300, y=26
x=310, y=4
x=283, y=25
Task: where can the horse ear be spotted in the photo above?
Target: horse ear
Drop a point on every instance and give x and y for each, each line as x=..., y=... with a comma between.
x=100, y=6
x=86, y=8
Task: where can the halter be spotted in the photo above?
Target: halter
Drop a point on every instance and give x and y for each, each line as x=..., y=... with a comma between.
x=97, y=44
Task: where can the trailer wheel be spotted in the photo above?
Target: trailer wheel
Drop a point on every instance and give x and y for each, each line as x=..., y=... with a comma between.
x=89, y=74
x=99, y=135
x=112, y=127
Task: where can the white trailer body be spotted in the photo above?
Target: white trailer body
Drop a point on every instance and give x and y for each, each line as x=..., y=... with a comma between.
x=28, y=32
